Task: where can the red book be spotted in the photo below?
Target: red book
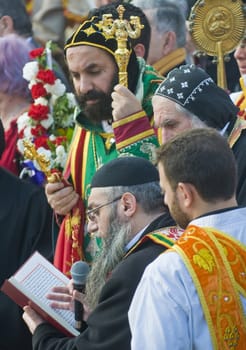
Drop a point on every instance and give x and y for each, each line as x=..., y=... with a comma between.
x=30, y=285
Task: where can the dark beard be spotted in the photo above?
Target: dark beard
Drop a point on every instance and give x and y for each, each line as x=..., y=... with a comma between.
x=102, y=109
x=178, y=215
x=112, y=252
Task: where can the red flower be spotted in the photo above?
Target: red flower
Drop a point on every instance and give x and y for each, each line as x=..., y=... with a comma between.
x=38, y=90
x=38, y=112
x=21, y=134
x=59, y=140
x=47, y=76
x=41, y=141
x=38, y=130
x=36, y=52
x=55, y=171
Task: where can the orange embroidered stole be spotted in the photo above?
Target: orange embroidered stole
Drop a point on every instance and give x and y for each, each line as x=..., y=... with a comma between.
x=217, y=264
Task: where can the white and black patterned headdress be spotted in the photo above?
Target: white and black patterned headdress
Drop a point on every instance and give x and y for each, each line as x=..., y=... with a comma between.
x=192, y=88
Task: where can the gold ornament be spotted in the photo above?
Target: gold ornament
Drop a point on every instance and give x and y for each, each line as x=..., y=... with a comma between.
x=31, y=153
x=217, y=27
x=121, y=29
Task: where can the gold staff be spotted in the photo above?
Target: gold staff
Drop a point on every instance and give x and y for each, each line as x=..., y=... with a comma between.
x=121, y=29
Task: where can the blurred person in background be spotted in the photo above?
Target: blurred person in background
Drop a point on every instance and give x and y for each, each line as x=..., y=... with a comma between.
x=168, y=34
x=15, y=96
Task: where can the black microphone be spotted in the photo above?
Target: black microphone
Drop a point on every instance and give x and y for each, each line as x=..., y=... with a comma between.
x=79, y=272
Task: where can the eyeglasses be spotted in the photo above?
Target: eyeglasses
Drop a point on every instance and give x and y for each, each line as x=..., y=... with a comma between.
x=91, y=214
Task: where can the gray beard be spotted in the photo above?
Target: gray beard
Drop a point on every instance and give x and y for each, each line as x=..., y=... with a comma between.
x=112, y=252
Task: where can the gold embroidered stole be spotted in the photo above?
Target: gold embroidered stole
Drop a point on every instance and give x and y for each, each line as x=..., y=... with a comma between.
x=217, y=264
x=164, y=236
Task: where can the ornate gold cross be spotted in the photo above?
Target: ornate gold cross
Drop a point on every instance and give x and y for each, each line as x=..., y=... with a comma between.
x=121, y=29
x=31, y=153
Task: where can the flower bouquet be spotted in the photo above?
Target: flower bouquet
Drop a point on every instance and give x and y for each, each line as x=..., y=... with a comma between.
x=49, y=122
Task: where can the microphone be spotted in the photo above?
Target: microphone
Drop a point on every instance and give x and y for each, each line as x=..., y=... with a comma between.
x=79, y=272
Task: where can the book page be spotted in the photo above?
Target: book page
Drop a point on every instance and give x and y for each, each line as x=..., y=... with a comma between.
x=37, y=276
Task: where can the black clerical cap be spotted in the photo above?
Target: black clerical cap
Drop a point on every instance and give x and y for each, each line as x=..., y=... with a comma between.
x=192, y=88
x=125, y=171
x=91, y=33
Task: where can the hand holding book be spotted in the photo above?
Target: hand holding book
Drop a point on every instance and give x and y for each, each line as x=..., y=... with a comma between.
x=63, y=298
x=30, y=286
x=31, y=318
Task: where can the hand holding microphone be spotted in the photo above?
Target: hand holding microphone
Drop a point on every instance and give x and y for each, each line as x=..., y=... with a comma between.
x=79, y=272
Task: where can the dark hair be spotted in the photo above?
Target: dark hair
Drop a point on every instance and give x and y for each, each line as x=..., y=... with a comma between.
x=201, y=157
x=148, y=195
x=170, y=18
x=130, y=10
x=17, y=11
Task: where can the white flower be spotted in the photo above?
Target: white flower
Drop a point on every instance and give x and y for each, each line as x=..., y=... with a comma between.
x=30, y=70
x=52, y=137
x=41, y=101
x=57, y=89
x=44, y=151
x=61, y=156
x=32, y=82
x=46, y=123
x=27, y=132
x=23, y=121
x=20, y=146
x=71, y=99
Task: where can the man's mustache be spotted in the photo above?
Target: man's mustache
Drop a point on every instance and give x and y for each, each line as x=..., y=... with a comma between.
x=90, y=95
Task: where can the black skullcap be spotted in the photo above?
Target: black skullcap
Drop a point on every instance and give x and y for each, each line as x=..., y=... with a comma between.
x=90, y=33
x=192, y=88
x=125, y=171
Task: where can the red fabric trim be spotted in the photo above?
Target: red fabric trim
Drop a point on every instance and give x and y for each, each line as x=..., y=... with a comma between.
x=69, y=245
x=70, y=242
x=79, y=163
x=135, y=127
x=8, y=159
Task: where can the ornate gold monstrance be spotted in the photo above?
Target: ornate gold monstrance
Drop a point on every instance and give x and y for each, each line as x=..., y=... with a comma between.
x=121, y=29
x=217, y=27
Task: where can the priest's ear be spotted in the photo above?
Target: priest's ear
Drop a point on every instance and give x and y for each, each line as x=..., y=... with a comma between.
x=185, y=193
x=2, y=138
x=129, y=203
x=139, y=50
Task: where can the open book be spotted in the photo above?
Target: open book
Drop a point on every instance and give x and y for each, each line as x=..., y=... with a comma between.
x=30, y=285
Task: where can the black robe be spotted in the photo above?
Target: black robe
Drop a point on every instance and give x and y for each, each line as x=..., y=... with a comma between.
x=108, y=327
x=25, y=224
